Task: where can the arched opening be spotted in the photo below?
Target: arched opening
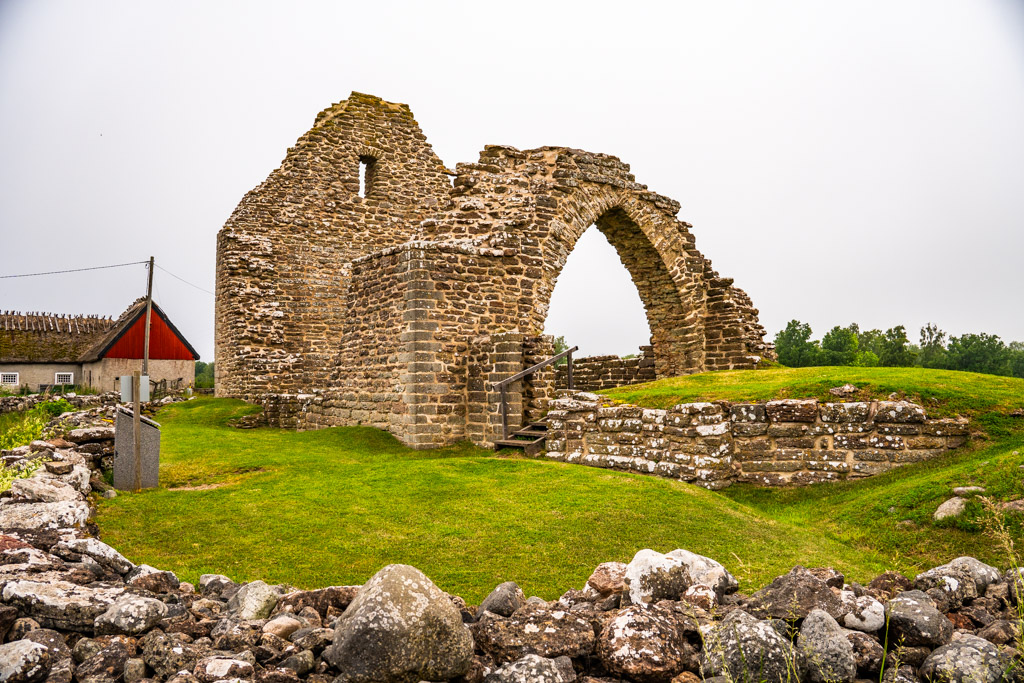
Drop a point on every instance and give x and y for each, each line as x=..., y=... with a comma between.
x=595, y=304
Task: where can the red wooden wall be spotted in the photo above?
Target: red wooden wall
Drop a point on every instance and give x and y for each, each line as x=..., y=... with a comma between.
x=163, y=343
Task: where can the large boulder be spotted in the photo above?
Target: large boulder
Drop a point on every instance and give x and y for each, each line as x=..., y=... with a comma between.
x=23, y=662
x=534, y=629
x=130, y=615
x=652, y=576
x=981, y=573
x=913, y=620
x=948, y=586
x=825, y=655
x=793, y=596
x=645, y=643
x=504, y=599
x=967, y=659
x=59, y=604
x=533, y=669
x=38, y=490
x=744, y=648
x=402, y=628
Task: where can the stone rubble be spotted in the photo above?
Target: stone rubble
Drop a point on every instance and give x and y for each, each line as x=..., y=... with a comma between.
x=74, y=610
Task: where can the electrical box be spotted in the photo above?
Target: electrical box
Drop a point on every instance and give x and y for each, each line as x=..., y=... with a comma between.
x=126, y=388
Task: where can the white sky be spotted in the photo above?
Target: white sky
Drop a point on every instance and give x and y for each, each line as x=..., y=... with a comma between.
x=858, y=161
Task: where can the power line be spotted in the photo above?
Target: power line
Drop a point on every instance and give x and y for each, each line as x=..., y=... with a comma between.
x=184, y=280
x=75, y=270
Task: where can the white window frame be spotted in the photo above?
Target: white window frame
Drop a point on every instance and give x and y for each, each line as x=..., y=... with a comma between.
x=15, y=383
x=57, y=376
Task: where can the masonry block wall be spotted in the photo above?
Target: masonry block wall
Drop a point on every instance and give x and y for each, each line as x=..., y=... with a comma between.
x=778, y=443
x=361, y=308
x=594, y=373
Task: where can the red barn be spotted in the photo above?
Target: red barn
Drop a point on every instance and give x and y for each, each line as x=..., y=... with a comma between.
x=43, y=350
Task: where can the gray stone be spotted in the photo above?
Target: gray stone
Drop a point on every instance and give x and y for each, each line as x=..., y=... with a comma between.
x=948, y=586
x=134, y=670
x=983, y=574
x=652, y=576
x=60, y=515
x=867, y=652
x=913, y=620
x=953, y=507
x=644, y=643
x=153, y=580
x=124, y=453
x=825, y=655
x=504, y=599
x=400, y=627
x=535, y=629
x=107, y=664
x=744, y=648
x=23, y=662
x=533, y=669
x=97, y=550
x=169, y=653
x=967, y=659
x=59, y=604
x=968, y=490
x=793, y=596
x=254, y=600
x=130, y=615
x=90, y=434
x=212, y=669
x=38, y=490
x=301, y=662
x=864, y=612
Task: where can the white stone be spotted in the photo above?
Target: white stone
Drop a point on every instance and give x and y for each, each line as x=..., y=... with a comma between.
x=951, y=508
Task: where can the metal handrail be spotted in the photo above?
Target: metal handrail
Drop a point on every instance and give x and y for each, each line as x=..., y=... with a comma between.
x=525, y=373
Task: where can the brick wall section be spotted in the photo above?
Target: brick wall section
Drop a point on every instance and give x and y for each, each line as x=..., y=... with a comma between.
x=594, y=373
x=368, y=306
x=780, y=443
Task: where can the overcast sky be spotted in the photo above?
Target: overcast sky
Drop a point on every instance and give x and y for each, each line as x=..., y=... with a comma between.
x=857, y=161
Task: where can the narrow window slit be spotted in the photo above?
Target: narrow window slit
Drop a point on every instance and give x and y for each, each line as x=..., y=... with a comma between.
x=367, y=167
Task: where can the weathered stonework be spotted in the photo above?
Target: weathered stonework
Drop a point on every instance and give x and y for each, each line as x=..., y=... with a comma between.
x=595, y=373
x=370, y=307
x=780, y=443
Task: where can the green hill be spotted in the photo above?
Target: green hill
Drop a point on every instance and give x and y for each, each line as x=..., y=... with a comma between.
x=333, y=506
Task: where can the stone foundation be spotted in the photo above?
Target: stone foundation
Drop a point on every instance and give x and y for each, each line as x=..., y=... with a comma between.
x=785, y=442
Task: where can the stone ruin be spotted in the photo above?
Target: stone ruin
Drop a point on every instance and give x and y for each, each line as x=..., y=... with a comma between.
x=365, y=283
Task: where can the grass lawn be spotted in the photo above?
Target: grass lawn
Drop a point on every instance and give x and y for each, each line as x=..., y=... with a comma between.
x=333, y=506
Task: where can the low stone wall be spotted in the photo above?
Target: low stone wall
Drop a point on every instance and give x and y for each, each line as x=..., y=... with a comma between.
x=779, y=443
x=10, y=404
x=594, y=373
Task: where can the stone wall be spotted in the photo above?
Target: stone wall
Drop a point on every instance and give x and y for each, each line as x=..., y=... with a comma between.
x=594, y=373
x=370, y=304
x=10, y=404
x=779, y=443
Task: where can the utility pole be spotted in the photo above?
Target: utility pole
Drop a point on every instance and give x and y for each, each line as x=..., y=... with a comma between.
x=149, y=314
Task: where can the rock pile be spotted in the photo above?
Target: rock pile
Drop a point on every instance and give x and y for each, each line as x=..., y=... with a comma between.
x=74, y=609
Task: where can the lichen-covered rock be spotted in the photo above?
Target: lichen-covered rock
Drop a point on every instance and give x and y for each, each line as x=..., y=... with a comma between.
x=99, y=551
x=983, y=574
x=91, y=434
x=535, y=629
x=38, y=490
x=23, y=662
x=652, y=576
x=793, y=596
x=644, y=643
x=868, y=653
x=609, y=578
x=504, y=599
x=864, y=613
x=59, y=604
x=400, y=627
x=59, y=515
x=211, y=669
x=825, y=655
x=169, y=653
x=107, y=664
x=967, y=659
x=151, y=579
x=254, y=600
x=130, y=615
x=533, y=669
x=913, y=620
x=744, y=648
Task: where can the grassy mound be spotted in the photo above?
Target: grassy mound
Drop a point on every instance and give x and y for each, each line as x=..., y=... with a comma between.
x=333, y=506
x=890, y=514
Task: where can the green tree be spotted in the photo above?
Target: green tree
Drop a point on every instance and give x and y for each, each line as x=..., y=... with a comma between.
x=978, y=353
x=933, y=347
x=895, y=350
x=1015, y=352
x=839, y=346
x=871, y=340
x=794, y=345
x=204, y=375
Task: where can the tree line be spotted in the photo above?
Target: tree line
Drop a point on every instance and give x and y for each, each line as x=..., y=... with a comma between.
x=850, y=345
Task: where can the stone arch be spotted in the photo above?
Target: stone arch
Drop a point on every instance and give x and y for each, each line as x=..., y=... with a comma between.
x=654, y=253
